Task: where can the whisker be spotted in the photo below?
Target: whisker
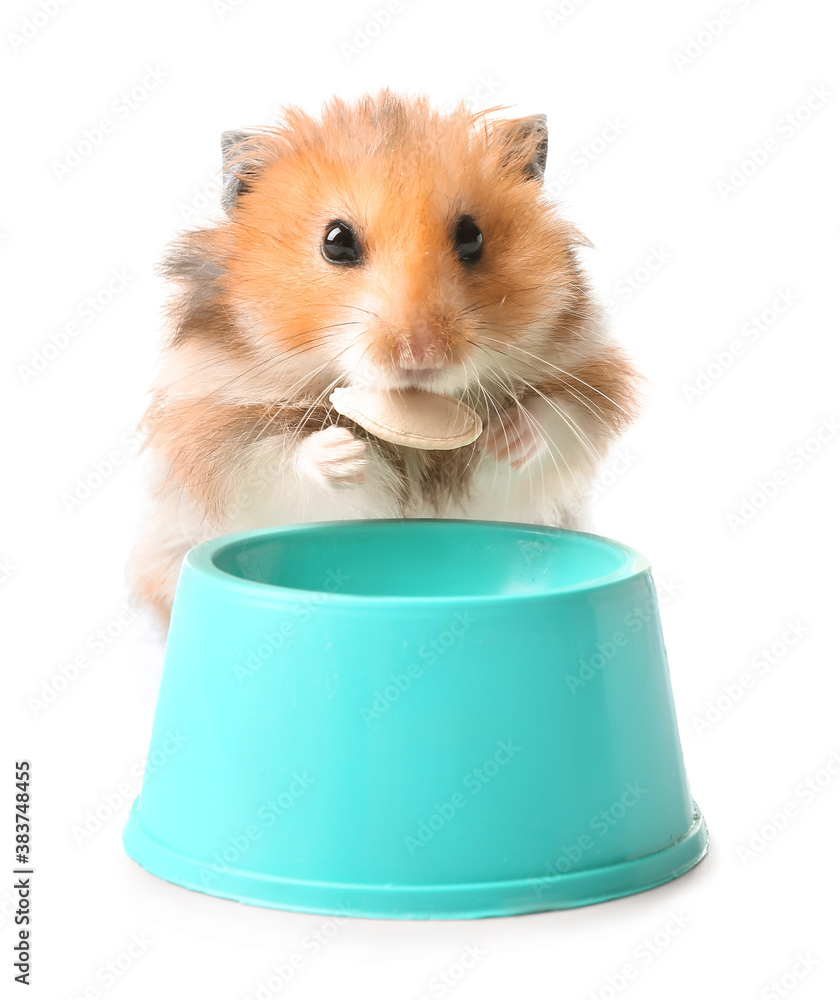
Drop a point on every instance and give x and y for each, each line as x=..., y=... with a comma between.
x=569, y=388
x=500, y=415
x=564, y=372
x=570, y=422
x=547, y=442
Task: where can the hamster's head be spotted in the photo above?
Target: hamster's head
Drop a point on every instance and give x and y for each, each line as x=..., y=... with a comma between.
x=392, y=245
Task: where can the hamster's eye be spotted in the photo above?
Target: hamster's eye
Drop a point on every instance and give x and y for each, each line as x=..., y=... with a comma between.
x=468, y=240
x=340, y=244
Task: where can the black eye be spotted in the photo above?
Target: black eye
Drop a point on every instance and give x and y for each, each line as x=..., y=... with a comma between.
x=468, y=239
x=340, y=244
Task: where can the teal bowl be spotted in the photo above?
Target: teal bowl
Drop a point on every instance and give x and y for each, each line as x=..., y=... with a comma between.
x=414, y=719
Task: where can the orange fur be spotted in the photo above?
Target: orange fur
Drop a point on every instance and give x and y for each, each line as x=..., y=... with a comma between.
x=273, y=325
x=204, y=460
x=605, y=385
x=400, y=173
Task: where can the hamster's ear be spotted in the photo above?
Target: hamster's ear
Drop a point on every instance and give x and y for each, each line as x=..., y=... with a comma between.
x=525, y=141
x=241, y=161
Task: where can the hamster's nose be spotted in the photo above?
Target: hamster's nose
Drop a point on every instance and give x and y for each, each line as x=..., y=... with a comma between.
x=422, y=347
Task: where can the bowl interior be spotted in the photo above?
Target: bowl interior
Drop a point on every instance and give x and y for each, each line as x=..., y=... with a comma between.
x=424, y=559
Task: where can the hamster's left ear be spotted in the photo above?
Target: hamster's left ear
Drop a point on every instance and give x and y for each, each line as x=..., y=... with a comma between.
x=242, y=159
x=525, y=141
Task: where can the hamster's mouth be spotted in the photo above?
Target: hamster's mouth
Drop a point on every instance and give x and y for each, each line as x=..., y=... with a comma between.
x=445, y=379
x=412, y=378
x=418, y=376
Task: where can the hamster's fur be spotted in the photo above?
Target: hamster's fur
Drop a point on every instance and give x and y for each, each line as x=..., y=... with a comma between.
x=239, y=431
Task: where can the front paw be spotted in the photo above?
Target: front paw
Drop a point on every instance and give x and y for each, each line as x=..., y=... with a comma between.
x=515, y=435
x=334, y=457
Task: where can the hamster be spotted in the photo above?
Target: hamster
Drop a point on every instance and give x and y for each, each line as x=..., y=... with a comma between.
x=390, y=245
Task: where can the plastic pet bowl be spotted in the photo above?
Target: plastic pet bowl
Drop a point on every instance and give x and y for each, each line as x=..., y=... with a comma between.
x=415, y=718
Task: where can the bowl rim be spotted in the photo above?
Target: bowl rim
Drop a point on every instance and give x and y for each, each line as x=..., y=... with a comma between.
x=201, y=560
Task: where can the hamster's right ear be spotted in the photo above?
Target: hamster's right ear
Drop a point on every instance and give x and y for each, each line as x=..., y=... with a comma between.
x=525, y=144
x=241, y=161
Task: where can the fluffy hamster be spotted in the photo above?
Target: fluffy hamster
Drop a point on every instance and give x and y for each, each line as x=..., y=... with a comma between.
x=391, y=245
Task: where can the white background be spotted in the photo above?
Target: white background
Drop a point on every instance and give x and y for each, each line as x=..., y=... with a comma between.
x=687, y=116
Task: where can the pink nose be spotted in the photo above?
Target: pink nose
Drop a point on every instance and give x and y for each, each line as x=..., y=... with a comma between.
x=421, y=347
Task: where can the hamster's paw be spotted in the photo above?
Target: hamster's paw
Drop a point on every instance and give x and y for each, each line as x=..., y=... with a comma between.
x=334, y=456
x=515, y=436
